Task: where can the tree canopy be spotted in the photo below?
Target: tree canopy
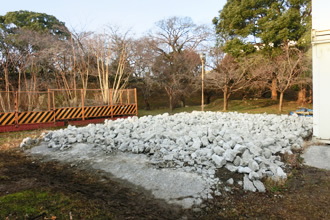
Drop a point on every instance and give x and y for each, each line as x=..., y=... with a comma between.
x=28, y=20
x=272, y=23
x=175, y=40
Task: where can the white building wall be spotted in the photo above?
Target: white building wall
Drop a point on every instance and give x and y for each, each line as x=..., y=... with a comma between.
x=321, y=69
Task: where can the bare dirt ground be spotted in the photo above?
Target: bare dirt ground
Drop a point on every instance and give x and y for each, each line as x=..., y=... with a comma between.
x=305, y=195
x=123, y=202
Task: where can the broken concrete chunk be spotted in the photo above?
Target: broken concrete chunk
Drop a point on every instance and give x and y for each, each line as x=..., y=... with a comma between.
x=230, y=154
x=231, y=167
x=259, y=185
x=218, y=150
x=230, y=181
x=219, y=161
x=246, y=157
x=254, y=175
x=244, y=170
x=237, y=161
x=248, y=185
x=239, y=148
x=205, y=141
x=281, y=173
x=253, y=165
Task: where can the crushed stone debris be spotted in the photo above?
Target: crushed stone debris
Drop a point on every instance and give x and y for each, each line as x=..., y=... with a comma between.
x=196, y=143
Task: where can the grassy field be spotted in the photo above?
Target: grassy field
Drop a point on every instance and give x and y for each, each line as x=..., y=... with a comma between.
x=38, y=204
x=254, y=106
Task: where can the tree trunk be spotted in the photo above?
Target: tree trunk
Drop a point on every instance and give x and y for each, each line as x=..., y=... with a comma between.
x=280, y=107
x=310, y=96
x=183, y=103
x=7, y=87
x=147, y=104
x=274, y=89
x=225, y=99
x=208, y=99
x=170, y=97
x=171, y=102
x=225, y=103
x=302, y=96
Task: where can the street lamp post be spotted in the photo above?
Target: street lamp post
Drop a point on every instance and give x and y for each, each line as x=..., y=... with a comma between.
x=203, y=58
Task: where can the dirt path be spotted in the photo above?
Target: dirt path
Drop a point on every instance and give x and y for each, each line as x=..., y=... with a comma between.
x=306, y=195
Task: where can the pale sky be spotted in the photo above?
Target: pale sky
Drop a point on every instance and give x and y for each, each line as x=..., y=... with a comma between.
x=139, y=15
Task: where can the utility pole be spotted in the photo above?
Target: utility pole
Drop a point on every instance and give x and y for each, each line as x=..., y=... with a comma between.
x=203, y=58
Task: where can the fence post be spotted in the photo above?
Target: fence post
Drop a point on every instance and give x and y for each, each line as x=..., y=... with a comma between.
x=111, y=103
x=121, y=97
x=48, y=101
x=54, y=108
x=127, y=96
x=82, y=105
x=16, y=109
x=136, y=102
x=110, y=95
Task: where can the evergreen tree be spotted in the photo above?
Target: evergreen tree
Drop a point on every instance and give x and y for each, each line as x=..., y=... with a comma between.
x=272, y=23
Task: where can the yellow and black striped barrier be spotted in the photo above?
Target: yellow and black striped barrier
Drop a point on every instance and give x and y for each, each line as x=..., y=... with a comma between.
x=124, y=110
x=63, y=114
x=100, y=111
x=35, y=117
x=68, y=113
x=10, y=118
x=94, y=111
x=7, y=118
x=25, y=120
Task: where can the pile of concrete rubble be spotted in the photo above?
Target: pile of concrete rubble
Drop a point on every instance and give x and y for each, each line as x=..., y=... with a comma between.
x=198, y=142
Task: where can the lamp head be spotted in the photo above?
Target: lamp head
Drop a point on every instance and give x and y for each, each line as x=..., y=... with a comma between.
x=202, y=56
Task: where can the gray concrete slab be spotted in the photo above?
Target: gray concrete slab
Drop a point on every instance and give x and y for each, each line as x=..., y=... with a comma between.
x=318, y=156
x=175, y=187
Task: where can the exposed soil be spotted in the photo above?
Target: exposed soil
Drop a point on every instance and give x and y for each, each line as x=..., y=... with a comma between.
x=306, y=194
x=20, y=172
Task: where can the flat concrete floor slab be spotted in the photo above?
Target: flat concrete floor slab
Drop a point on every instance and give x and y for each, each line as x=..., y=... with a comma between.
x=318, y=156
x=174, y=186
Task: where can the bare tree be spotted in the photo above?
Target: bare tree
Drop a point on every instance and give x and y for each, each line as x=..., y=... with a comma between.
x=288, y=67
x=175, y=40
x=27, y=63
x=6, y=63
x=122, y=64
x=189, y=66
x=230, y=75
x=81, y=57
x=177, y=75
x=142, y=60
x=103, y=51
x=304, y=80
